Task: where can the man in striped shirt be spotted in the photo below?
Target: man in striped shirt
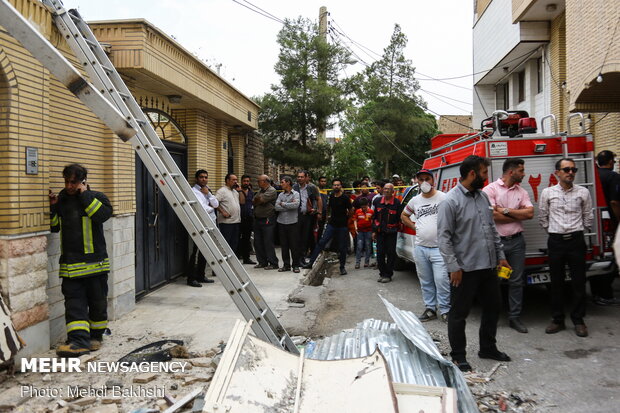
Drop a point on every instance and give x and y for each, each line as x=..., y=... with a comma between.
x=565, y=213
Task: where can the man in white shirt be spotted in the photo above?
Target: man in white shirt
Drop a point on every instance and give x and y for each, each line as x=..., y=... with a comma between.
x=565, y=213
x=229, y=210
x=196, y=272
x=430, y=267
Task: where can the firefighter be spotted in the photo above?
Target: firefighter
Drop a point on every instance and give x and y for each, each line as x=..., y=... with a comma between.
x=78, y=214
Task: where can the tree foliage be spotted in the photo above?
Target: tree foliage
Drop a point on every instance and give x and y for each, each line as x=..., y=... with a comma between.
x=388, y=113
x=308, y=94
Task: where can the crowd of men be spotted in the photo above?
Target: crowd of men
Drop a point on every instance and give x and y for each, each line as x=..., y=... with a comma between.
x=464, y=239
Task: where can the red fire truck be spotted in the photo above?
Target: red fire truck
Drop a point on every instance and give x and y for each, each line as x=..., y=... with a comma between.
x=513, y=134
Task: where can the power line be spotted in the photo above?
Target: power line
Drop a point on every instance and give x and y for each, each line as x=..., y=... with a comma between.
x=448, y=103
x=264, y=11
x=448, y=119
x=442, y=81
x=393, y=144
x=447, y=97
x=594, y=124
x=264, y=14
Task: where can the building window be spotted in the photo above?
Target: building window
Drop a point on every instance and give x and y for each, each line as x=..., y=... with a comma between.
x=521, y=81
x=539, y=75
x=506, y=100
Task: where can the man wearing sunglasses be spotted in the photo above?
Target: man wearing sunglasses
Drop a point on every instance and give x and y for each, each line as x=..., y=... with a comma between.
x=566, y=212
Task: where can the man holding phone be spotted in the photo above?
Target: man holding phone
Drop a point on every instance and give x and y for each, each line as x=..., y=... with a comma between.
x=78, y=214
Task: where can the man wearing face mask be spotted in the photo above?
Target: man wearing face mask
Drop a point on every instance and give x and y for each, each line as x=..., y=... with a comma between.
x=472, y=251
x=430, y=267
x=512, y=205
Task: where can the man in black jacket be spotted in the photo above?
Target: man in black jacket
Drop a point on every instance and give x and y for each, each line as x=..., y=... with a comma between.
x=78, y=214
x=385, y=225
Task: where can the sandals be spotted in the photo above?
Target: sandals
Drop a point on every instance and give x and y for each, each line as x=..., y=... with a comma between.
x=283, y=269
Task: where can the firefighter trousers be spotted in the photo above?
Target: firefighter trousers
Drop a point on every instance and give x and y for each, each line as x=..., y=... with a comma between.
x=86, y=308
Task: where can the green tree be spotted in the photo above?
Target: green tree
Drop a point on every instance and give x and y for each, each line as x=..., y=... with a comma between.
x=389, y=111
x=308, y=95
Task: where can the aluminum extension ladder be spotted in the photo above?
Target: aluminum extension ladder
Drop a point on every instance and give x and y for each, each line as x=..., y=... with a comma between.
x=110, y=99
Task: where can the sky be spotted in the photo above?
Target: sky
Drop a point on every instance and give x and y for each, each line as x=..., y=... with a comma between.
x=243, y=42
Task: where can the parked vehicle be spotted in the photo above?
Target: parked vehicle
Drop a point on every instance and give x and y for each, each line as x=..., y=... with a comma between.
x=513, y=135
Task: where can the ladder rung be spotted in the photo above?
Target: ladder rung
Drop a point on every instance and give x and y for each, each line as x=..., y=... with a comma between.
x=157, y=148
x=245, y=285
x=191, y=202
x=282, y=339
x=141, y=122
x=107, y=69
x=123, y=95
x=262, y=313
x=90, y=42
x=175, y=175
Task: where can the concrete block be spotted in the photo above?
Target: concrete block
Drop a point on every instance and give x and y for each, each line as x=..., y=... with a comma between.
x=128, y=260
x=121, y=305
x=27, y=299
x=58, y=330
x=128, y=234
x=4, y=248
x=53, y=280
x=27, y=246
x=26, y=264
x=123, y=287
x=53, y=244
x=117, y=236
x=24, y=282
x=124, y=273
x=4, y=268
x=35, y=315
x=37, y=341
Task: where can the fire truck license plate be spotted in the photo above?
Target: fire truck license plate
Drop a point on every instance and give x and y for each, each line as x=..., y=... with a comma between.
x=539, y=278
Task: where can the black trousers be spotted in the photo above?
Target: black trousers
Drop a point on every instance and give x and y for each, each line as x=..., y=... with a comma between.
x=196, y=269
x=386, y=253
x=306, y=222
x=572, y=251
x=263, y=241
x=230, y=232
x=86, y=308
x=483, y=284
x=245, y=234
x=289, y=242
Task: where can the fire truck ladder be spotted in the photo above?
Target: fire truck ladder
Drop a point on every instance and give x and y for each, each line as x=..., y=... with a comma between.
x=110, y=99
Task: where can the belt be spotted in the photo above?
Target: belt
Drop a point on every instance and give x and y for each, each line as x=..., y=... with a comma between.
x=566, y=237
x=509, y=237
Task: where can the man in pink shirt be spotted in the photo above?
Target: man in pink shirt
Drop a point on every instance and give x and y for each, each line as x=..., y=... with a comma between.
x=512, y=205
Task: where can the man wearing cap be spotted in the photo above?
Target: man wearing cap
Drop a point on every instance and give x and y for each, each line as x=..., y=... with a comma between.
x=430, y=267
x=511, y=205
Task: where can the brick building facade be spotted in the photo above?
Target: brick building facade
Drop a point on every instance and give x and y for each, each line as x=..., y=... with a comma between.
x=205, y=119
x=545, y=58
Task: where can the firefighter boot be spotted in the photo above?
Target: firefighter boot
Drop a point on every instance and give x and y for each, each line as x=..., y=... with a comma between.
x=71, y=350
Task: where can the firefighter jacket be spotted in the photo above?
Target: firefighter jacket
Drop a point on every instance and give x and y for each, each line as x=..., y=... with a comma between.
x=387, y=215
x=79, y=219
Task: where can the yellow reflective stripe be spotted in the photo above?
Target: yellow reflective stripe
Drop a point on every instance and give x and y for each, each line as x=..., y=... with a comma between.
x=55, y=220
x=93, y=207
x=87, y=235
x=79, y=269
x=98, y=325
x=60, y=233
x=78, y=325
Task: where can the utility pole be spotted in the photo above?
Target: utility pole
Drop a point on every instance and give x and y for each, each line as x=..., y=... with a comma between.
x=322, y=126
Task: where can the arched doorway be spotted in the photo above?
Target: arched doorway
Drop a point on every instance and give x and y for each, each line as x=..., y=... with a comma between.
x=161, y=238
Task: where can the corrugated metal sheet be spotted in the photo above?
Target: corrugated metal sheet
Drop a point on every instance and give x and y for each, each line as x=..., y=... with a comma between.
x=408, y=348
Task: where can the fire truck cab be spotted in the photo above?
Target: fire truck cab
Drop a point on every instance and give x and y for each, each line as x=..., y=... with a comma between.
x=513, y=134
